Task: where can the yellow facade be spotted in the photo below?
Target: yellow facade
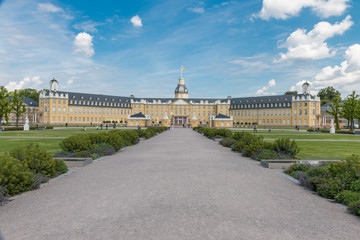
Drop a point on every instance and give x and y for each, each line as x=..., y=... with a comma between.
x=77, y=108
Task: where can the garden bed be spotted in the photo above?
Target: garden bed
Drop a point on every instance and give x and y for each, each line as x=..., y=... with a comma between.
x=76, y=162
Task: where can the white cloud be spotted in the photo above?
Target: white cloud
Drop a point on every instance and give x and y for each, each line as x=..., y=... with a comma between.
x=69, y=82
x=83, y=45
x=197, y=9
x=49, y=8
x=27, y=82
x=264, y=90
x=344, y=77
x=283, y=9
x=87, y=26
x=312, y=45
x=136, y=21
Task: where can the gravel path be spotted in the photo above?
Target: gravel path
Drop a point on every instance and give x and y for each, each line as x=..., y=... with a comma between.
x=178, y=185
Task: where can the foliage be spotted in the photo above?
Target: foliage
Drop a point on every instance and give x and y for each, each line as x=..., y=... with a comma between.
x=17, y=105
x=287, y=147
x=335, y=110
x=328, y=94
x=354, y=207
x=35, y=159
x=350, y=108
x=297, y=167
x=347, y=197
x=5, y=107
x=310, y=130
x=14, y=176
x=60, y=167
x=355, y=186
x=330, y=187
x=248, y=144
x=38, y=179
x=227, y=142
x=30, y=93
x=291, y=93
x=265, y=154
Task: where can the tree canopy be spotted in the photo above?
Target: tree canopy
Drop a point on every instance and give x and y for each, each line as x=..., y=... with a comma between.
x=291, y=93
x=328, y=94
x=30, y=93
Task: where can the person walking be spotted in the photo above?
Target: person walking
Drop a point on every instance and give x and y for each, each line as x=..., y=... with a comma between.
x=66, y=125
x=106, y=126
x=101, y=126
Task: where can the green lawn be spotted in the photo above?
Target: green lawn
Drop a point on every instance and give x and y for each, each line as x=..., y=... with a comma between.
x=49, y=133
x=327, y=150
x=51, y=145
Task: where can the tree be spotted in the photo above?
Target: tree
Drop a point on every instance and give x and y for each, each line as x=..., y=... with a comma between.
x=5, y=107
x=328, y=94
x=30, y=93
x=335, y=110
x=17, y=105
x=350, y=108
x=291, y=93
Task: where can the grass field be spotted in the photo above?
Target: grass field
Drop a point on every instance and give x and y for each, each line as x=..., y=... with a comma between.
x=48, y=133
x=327, y=150
x=51, y=145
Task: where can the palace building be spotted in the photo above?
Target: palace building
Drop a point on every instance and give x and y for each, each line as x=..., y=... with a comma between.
x=59, y=107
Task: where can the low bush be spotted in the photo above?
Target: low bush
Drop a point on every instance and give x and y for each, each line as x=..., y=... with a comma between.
x=60, y=167
x=14, y=176
x=297, y=174
x=354, y=207
x=330, y=187
x=265, y=154
x=355, y=186
x=35, y=159
x=297, y=167
x=347, y=197
x=286, y=147
x=227, y=142
x=310, y=130
x=38, y=179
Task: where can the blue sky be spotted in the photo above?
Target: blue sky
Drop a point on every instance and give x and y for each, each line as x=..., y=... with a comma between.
x=237, y=48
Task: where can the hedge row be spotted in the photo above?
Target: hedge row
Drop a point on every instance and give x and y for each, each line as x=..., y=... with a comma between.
x=251, y=145
x=333, y=180
x=25, y=168
x=104, y=143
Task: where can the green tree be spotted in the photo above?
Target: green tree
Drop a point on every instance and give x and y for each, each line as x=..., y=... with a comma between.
x=328, y=94
x=350, y=108
x=5, y=107
x=291, y=93
x=30, y=93
x=17, y=104
x=335, y=110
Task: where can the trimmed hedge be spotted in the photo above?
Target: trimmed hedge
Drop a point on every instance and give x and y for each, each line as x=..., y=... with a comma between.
x=9, y=129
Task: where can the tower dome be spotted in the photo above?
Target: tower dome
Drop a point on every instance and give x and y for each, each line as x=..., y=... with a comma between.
x=181, y=91
x=306, y=88
x=54, y=85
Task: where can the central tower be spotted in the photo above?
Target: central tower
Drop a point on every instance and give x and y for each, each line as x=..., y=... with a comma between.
x=181, y=90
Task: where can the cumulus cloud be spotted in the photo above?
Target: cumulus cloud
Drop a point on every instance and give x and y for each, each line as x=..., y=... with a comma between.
x=283, y=9
x=69, y=82
x=136, y=21
x=344, y=77
x=264, y=90
x=312, y=45
x=48, y=8
x=83, y=45
x=197, y=9
x=27, y=82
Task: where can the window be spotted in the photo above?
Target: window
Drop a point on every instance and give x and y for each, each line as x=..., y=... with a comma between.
x=59, y=109
x=71, y=110
x=53, y=119
x=295, y=112
x=53, y=109
x=70, y=119
x=305, y=112
x=64, y=109
x=300, y=112
x=64, y=119
x=59, y=118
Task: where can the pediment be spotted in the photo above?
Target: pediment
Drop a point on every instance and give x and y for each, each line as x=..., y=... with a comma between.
x=180, y=102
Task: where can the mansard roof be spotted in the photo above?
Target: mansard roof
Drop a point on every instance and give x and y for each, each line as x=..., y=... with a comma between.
x=193, y=100
x=28, y=101
x=221, y=116
x=138, y=115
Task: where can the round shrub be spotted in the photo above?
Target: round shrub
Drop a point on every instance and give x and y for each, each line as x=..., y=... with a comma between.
x=60, y=166
x=14, y=176
x=36, y=159
x=77, y=143
x=347, y=197
x=265, y=154
x=297, y=167
x=227, y=142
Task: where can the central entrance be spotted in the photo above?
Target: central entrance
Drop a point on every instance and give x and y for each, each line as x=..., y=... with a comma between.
x=179, y=120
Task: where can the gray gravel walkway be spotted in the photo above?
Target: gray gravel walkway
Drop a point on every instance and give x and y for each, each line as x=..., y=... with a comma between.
x=178, y=185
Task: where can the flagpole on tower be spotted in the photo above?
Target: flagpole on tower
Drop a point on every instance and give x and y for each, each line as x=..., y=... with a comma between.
x=181, y=72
